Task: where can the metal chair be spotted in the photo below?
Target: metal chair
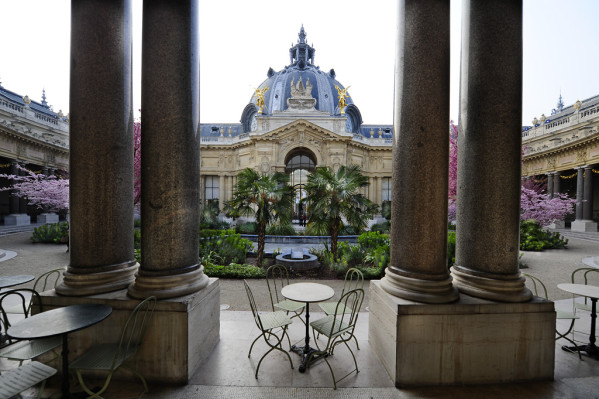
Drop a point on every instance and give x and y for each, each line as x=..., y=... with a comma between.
x=21, y=350
x=46, y=281
x=14, y=381
x=537, y=285
x=268, y=323
x=277, y=277
x=111, y=357
x=584, y=305
x=339, y=329
x=353, y=279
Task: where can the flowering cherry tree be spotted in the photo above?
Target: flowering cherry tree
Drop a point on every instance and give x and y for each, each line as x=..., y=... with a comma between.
x=47, y=192
x=136, y=162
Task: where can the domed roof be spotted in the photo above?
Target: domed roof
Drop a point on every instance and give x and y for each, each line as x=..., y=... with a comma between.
x=302, y=67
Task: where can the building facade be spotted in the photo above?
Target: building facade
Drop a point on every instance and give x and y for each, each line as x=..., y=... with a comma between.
x=35, y=137
x=562, y=151
x=299, y=118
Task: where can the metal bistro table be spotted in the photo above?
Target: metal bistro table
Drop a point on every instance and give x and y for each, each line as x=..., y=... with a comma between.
x=591, y=292
x=308, y=293
x=9, y=281
x=61, y=321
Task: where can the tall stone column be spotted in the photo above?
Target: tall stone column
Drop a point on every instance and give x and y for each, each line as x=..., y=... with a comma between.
x=170, y=152
x=418, y=268
x=558, y=224
x=488, y=209
x=17, y=205
x=101, y=147
x=14, y=198
x=550, y=184
x=221, y=192
x=584, y=201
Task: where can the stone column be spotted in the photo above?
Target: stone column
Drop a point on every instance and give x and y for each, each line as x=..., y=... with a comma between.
x=558, y=224
x=579, y=192
x=18, y=213
x=101, y=148
x=584, y=200
x=418, y=268
x=587, y=203
x=488, y=209
x=221, y=192
x=170, y=150
x=550, y=184
x=378, y=190
x=14, y=198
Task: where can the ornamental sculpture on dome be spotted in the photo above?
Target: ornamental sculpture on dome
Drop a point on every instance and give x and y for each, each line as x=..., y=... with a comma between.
x=342, y=94
x=259, y=94
x=301, y=96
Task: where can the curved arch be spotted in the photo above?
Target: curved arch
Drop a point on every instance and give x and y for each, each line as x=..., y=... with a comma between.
x=246, y=117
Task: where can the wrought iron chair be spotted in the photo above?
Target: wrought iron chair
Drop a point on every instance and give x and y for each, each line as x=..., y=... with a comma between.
x=537, y=286
x=353, y=279
x=268, y=323
x=339, y=328
x=46, y=281
x=21, y=350
x=14, y=381
x=277, y=277
x=111, y=357
x=577, y=275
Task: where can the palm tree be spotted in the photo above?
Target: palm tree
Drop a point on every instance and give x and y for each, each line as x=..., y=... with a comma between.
x=333, y=197
x=268, y=198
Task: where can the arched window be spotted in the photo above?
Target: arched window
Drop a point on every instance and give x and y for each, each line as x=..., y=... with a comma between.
x=298, y=165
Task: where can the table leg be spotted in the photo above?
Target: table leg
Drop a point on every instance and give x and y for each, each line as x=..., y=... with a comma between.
x=66, y=392
x=591, y=349
x=305, y=351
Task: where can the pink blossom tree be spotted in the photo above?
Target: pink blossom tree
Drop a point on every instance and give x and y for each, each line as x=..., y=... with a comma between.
x=137, y=162
x=48, y=192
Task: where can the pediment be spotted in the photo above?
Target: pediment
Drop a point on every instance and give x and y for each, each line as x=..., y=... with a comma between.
x=306, y=128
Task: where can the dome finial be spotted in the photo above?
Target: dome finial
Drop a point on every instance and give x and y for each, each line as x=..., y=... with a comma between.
x=44, y=102
x=302, y=35
x=302, y=54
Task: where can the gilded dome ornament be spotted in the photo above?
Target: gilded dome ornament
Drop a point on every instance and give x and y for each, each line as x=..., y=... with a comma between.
x=577, y=105
x=259, y=94
x=342, y=94
x=535, y=121
x=543, y=118
x=27, y=100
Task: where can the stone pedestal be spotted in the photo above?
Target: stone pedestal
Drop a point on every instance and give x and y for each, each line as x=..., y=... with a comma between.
x=584, y=225
x=559, y=224
x=47, y=218
x=17, y=219
x=471, y=341
x=182, y=333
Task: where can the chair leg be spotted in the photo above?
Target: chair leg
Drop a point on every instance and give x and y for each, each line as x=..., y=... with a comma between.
x=252, y=346
x=560, y=335
x=138, y=374
x=89, y=391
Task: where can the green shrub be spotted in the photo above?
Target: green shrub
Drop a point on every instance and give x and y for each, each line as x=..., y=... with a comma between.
x=384, y=227
x=137, y=254
x=281, y=230
x=372, y=240
x=233, y=270
x=450, y=248
x=247, y=228
x=347, y=230
x=224, y=247
x=136, y=238
x=534, y=238
x=57, y=233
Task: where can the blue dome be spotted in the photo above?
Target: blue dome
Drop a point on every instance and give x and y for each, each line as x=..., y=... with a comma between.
x=302, y=67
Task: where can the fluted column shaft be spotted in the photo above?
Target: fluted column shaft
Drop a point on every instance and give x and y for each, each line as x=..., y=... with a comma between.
x=556, y=183
x=14, y=198
x=418, y=268
x=101, y=148
x=587, y=205
x=488, y=209
x=579, y=192
x=170, y=152
x=550, y=184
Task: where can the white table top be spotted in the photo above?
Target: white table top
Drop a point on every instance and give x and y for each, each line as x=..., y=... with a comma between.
x=307, y=292
x=590, y=291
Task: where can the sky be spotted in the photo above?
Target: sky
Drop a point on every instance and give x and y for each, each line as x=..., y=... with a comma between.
x=240, y=40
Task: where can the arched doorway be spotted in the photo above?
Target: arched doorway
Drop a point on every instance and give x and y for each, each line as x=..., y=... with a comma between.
x=298, y=164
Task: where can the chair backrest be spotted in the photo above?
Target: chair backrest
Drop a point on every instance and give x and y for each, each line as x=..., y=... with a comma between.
x=353, y=279
x=537, y=285
x=248, y=291
x=277, y=277
x=350, y=300
x=584, y=271
x=20, y=298
x=48, y=280
x=135, y=328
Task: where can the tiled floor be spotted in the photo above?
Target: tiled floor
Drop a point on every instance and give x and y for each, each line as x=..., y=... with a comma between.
x=228, y=373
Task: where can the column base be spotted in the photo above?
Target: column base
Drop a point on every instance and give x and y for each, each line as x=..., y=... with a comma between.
x=584, y=226
x=504, y=288
x=180, y=336
x=426, y=291
x=168, y=286
x=17, y=219
x=96, y=280
x=471, y=341
x=559, y=224
x=47, y=218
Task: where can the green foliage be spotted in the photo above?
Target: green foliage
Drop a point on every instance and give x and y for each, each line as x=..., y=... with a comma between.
x=233, y=270
x=137, y=223
x=450, y=248
x=386, y=210
x=225, y=247
x=209, y=213
x=247, y=228
x=350, y=230
x=534, y=238
x=373, y=240
x=137, y=239
x=57, y=233
x=279, y=229
x=137, y=254
x=384, y=227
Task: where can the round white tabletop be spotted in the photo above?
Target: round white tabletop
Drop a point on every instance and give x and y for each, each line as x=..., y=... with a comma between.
x=589, y=291
x=307, y=292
